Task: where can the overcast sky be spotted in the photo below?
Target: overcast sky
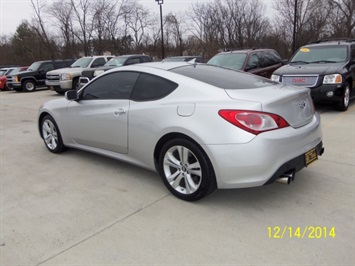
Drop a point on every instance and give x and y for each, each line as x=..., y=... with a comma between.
x=12, y=12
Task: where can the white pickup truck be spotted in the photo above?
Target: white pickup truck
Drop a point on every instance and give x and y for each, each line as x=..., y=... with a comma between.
x=64, y=79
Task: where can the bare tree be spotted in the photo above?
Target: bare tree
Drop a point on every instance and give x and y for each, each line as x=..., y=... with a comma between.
x=137, y=19
x=173, y=25
x=342, y=18
x=228, y=24
x=38, y=7
x=85, y=24
x=310, y=23
x=62, y=14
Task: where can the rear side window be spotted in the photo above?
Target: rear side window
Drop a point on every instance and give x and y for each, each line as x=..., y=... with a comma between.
x=222, y=77
x=150, y=88
x=98, y=62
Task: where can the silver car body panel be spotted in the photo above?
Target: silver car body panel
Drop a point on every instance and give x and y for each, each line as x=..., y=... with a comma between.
x=129, y=130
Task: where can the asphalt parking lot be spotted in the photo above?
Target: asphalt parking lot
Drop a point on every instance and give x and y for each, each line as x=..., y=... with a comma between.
x=78, y=208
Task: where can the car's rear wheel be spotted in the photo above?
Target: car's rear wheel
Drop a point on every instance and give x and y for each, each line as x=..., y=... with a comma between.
x=51, y=135
x=29, y=86
x=344, y=104
x=186, y=170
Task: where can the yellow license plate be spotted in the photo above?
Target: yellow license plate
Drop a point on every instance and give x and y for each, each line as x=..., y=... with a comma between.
x=311, y=156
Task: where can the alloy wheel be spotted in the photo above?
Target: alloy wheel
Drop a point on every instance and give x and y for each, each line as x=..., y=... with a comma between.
x=182, y=170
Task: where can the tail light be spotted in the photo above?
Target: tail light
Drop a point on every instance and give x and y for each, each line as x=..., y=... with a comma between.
x=253, y=121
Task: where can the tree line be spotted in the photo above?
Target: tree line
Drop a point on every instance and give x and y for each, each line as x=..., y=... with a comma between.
x=64, y=29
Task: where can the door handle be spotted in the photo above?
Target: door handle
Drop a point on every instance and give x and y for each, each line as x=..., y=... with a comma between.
x=119, y=112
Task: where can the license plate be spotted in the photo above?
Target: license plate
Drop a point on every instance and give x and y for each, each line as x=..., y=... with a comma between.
x=311, y=156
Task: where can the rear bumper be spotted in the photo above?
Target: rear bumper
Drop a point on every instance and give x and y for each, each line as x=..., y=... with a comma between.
x=294, y=165
x=266, y=157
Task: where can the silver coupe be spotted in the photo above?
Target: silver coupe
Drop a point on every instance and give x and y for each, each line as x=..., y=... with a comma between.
x=201, y=127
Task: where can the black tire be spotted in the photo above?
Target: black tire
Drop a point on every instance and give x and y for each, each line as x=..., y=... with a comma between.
x=75, y=85
x=28, y=86
x=60, y=92
x=192, y=178
x=51, y=135
x=344, y=103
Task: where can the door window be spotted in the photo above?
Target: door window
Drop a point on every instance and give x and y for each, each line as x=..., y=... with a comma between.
x=253, y=62
x=132, y=61
x=47, y=67
x=98, y=62
x=117, y=85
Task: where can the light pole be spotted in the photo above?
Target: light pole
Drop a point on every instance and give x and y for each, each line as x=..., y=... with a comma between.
x=160, y=2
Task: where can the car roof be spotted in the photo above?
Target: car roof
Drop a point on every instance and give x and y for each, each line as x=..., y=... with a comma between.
x=130, y=55
x=246, y=51
x=165, y=65
x=332, y=42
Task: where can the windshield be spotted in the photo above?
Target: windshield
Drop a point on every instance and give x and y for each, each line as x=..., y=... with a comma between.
x=82, y=62
x=321, y=54
x=230, y=60
x=117, y=61
x=34, y=66
x=2, y=72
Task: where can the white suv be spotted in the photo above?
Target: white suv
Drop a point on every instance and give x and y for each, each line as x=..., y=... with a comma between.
x=65, y=79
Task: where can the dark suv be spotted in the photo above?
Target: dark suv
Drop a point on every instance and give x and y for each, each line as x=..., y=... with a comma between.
x=262, y=62
x=35, y=75
x=327, y=67
x=122, y=60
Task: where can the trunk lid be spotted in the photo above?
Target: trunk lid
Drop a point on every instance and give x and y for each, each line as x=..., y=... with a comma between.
x=292, y=103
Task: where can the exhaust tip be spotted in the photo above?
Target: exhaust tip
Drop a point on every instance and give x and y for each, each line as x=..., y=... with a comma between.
x=286, y=178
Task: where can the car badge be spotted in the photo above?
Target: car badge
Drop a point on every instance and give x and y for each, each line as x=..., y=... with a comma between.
x=302, y=105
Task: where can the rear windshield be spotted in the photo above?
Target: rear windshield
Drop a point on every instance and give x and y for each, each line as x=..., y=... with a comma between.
x=222, y=77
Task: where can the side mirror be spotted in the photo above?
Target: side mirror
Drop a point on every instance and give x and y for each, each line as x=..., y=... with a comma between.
x=72, y=95
x=285, y=61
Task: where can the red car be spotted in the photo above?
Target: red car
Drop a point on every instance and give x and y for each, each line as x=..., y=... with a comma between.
x=6, y=71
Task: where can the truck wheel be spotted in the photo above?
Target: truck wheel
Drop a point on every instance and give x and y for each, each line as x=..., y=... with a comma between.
x=75, y=85
x=28, y=86
x=344, y=104
x=59, y=91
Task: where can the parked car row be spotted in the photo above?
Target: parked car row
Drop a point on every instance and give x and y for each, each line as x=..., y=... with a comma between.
x=123, y=60
x=327, y=67
x=7, y=71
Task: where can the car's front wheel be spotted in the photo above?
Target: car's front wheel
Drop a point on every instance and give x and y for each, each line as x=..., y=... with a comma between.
x=29, y=86
x=186, y=170
x=51, y=135
x=344, y=104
